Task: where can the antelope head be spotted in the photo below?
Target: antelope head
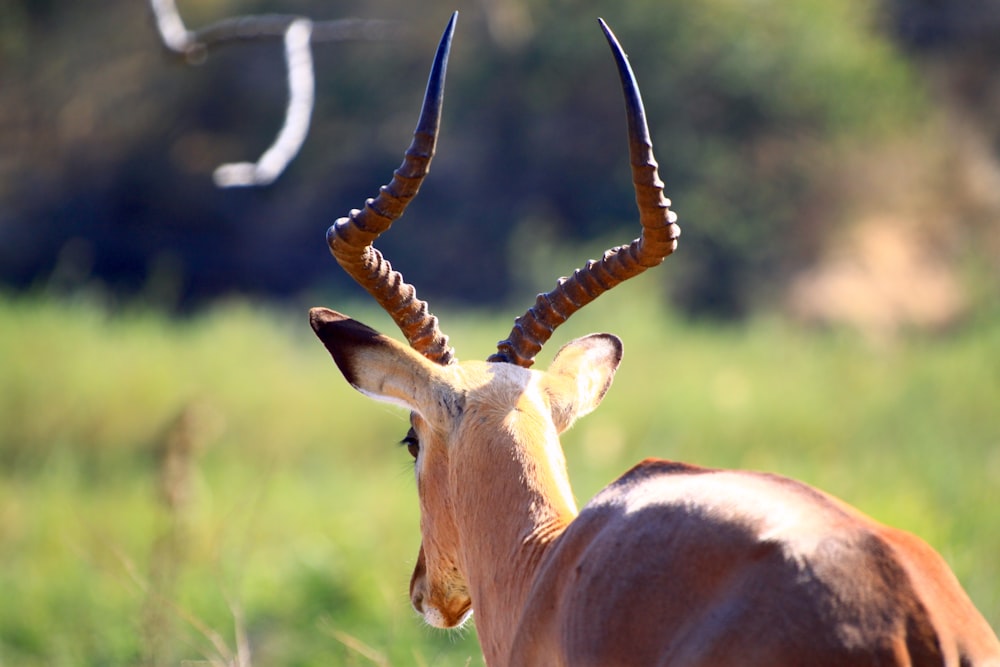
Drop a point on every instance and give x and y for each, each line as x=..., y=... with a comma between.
x=459, y=412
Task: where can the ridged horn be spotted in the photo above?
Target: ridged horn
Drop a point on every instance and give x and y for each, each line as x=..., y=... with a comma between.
x=658, y=239
x=350, y=239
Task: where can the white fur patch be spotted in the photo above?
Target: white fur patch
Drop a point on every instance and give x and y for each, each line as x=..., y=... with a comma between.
x=384, y=398
x=434, y=618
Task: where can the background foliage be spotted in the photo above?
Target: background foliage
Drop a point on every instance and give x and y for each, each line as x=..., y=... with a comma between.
x=168, y=485
x=750, y=103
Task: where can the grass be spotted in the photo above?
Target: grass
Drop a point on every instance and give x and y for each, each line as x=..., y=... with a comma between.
x=210, y=490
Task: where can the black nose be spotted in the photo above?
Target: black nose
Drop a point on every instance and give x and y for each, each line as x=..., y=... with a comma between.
x=417, y=600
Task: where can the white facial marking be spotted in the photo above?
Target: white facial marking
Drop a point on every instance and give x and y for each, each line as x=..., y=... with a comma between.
x=433, y=617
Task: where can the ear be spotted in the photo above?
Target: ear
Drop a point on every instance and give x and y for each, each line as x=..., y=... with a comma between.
x=580, y=376
x=374, y=364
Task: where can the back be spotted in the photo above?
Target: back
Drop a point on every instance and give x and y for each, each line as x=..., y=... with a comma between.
x=724, y=567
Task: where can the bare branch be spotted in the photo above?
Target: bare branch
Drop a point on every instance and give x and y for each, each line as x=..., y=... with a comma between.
x=301, y=85
x=298, y=33
x=168, y=21
x=263, y=26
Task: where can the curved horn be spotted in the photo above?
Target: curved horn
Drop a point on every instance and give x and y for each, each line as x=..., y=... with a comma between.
x=350, y=239
x=658, y=239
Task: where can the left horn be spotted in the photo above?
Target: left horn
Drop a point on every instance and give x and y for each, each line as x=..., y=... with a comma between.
x=350, y=239
x=658, y=239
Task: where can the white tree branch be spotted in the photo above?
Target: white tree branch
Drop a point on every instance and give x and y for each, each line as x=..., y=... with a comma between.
x=301, y=92
x=174, y=34
x=299, y=34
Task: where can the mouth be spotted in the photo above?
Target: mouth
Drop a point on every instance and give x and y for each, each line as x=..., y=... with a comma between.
x=436, y=618
x=464, y=615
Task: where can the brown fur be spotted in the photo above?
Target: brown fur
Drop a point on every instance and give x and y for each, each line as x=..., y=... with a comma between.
x=669, y=565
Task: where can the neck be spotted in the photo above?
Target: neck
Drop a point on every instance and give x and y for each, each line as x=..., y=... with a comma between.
x=509, y=521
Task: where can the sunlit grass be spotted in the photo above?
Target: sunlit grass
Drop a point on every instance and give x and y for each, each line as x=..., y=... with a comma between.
x=292, y=519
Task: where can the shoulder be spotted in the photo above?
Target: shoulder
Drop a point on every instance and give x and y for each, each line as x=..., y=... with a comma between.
x=764, y=504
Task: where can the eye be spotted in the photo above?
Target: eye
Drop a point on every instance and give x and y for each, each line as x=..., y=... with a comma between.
x=412, y=443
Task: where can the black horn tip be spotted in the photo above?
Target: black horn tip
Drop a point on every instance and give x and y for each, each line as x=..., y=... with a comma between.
x=430, y=115
x=633, y=100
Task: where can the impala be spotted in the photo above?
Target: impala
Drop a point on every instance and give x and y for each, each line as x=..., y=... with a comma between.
x=671, y=564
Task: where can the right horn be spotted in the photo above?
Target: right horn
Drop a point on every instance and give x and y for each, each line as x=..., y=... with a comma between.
x=658, y=239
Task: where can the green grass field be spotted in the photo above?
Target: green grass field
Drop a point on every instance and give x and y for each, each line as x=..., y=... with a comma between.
x=210, y=489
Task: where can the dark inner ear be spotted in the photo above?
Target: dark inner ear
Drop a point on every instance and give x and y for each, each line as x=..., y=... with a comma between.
x=341, y=336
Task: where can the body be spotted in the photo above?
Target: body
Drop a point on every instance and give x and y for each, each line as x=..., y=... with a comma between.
x=669, y=565
x=741, y=568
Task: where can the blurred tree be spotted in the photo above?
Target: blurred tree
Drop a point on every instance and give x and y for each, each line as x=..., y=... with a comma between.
x=956, y=47
x=106, y=176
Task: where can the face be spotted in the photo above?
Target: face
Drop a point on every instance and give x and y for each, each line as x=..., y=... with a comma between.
x=447, y=440
x=438, y=590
